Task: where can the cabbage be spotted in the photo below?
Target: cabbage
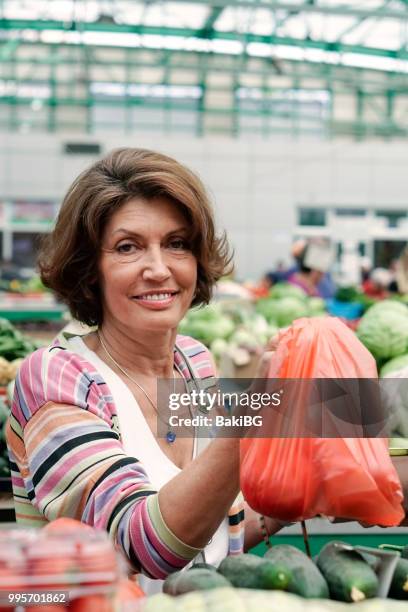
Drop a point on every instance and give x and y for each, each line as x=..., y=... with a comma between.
x=389, y=306
x=284, y=290
x=244, y=338
x=218, y=347
x=316, y=306
x=394, y=365
x=283, y=312
x=206, y=324
x=384, y=332
x=266, y=307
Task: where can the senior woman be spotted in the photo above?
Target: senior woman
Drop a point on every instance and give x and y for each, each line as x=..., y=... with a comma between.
x=133, y=248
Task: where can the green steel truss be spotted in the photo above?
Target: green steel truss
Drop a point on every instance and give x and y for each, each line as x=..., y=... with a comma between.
x=174, y=78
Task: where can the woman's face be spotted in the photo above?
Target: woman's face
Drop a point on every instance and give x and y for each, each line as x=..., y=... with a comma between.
x=148, y=272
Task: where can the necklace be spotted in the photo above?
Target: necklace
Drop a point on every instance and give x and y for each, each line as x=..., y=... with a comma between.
x=170, y=435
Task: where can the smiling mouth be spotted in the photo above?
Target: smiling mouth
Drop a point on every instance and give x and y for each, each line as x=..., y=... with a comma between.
x=156, y=297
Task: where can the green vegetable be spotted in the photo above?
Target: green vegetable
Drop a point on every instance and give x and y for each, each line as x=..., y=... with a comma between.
x=305, y=578
x=284, y=290
x=160, y=603
x=243, y=338
x=347, y=294
x=348, y=576
x=316, y=306
x=394, y=365
x=4, y=467
x=207, y=566
x=387, y=306
x=218, y=347
x=384, y=332
x=193, y=580
x=13, y=345
x=206, y=324
x=282, y=312
x=251, y=572
x=399, y=584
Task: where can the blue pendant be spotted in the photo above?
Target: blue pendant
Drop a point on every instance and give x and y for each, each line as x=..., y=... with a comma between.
x=170, y=437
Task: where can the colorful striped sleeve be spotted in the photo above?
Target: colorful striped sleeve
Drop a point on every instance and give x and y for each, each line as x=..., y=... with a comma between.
x=68, y=460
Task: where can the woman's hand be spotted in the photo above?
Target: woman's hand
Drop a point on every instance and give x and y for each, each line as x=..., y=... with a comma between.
x=253, y=531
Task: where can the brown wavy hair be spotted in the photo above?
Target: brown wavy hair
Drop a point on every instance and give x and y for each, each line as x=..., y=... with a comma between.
x=68, y=258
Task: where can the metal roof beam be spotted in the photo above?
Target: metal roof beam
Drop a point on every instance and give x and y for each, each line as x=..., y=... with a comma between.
x=203, y=63
x=12, y=25
x=208, y=26
x=360, y=20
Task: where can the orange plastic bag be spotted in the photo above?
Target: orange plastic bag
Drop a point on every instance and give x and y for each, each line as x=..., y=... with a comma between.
x=298, y=478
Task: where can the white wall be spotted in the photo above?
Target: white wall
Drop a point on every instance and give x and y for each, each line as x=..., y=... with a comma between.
x=256, y=185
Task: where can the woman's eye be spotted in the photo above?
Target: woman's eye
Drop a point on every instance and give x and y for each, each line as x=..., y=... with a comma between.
x=126, y=247
x=179, y=244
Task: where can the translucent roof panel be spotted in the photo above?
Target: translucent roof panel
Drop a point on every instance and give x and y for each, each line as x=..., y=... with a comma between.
x=184, y=25
x=372, y=23
x=384, y=33
x=61, y=10
x=358, y=4
x=160, y=14
x=258, y=21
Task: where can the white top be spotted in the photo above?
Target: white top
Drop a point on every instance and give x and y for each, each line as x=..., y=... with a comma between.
x=139, y=441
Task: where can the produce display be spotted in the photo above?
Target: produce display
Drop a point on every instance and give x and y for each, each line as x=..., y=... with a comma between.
x=231, y=327
x=284, y=579
x=18, y=285
x=251, y=572
x=245, y=600
x=14, y=346
x=349, y=577
x=384, y=330
x=305, y=578
x=352, y=295
x=240, y=328
x=285, y=303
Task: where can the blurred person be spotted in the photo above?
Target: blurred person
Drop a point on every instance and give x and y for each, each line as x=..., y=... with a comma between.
x=376, y=286
x=401, y=272
x=365, y=269
x=313, y=262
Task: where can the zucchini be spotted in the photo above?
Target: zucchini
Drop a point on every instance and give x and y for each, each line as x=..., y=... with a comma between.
x=248, y=571
x=348, y=576
x=193, y=580
x=203, y=566
x=399, y=583
x=305, y=578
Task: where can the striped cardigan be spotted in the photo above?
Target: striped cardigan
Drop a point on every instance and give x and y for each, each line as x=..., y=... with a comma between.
x=67, y=458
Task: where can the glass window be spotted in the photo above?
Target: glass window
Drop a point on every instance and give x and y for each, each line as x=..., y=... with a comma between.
x=393, y=216
x=312, y=216
x=350, y=212
x=386, y=251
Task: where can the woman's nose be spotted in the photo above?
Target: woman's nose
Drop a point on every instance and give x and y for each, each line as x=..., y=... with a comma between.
x=155, y=267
